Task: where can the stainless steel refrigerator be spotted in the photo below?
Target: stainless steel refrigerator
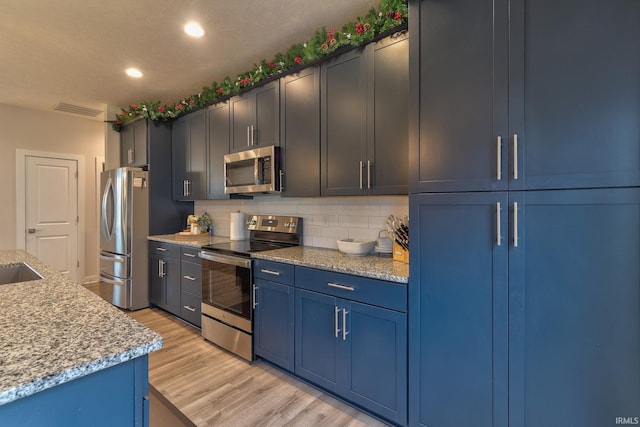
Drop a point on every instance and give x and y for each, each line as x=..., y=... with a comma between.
x=124, y=227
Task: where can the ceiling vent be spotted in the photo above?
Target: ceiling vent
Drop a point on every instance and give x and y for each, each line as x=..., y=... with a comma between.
x=76, y=109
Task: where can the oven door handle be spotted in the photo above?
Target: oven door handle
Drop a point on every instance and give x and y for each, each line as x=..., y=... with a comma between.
x=225, y=259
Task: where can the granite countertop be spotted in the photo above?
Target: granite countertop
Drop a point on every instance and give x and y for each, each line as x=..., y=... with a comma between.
x=186, y=240
x=53, y=331
x=333, y=260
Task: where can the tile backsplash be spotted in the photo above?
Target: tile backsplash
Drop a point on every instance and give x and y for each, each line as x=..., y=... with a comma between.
x=326, y=219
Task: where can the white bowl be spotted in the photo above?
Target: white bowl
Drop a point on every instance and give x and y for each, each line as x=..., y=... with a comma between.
x=358, y=247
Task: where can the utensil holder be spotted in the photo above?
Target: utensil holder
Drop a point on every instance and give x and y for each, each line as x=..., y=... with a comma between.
x=400, y=254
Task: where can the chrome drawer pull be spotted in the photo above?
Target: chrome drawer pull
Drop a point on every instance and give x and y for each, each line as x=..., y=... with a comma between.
x=191, y=309
x=346, y=288
x=190, y=255
x=499, y=151
x=189, y=278
x=515, y=224
x=498, y=230
x=161, y=249
x=344, y=324
x=255, y=301
x=335, y=320
x=515, y=156
x=274, y=273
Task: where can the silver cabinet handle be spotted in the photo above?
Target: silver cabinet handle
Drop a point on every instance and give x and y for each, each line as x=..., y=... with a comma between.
x=515, y=224
x=344, y=324
x=130, y=155
x=281, y=180
x=248, y=136
x=161, y=249
x=499, y=159
x=361, y=165
x=515, y=156
x=335, y=320
x=190, y=255
x=184, y=187
x=189, y=278
x=368, y=174
x=253, y=136
x=161, y=268
x=498, y=225
x=274, y=273
x=255, y=301
x=188, y=193
x=346, y=288
x=191, y=309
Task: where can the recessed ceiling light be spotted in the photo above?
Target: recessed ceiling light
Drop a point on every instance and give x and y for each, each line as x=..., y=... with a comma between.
x=134, y=72
x=193, y=29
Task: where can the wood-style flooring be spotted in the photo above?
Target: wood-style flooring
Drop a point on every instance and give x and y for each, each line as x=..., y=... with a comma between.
x=214, y=388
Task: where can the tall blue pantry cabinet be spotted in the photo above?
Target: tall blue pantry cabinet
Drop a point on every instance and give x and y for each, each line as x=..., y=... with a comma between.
x=525, y=213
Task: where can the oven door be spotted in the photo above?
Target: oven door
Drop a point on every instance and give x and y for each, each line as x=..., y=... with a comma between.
x=226, y=289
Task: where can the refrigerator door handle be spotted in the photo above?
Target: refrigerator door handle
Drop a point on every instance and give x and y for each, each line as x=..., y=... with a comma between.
x=111, y=281
x=108, y=190
x=112, y=258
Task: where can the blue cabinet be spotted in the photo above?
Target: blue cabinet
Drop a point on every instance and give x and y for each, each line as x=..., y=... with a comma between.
x=574, y=307
x=164, y=276
x=190, y=285
x=344, y=333
x=524, y=95
x=116, y=396
x=274, y=312
x=189, y=156
x=352, y=348
x=527, y=311
x=458, y=309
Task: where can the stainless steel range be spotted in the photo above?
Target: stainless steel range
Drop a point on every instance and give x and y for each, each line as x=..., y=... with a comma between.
x=227, y=281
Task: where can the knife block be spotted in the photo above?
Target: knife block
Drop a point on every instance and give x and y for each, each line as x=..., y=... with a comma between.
x=400, y=254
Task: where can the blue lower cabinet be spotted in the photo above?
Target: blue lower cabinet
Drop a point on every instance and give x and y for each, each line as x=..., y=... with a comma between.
x=525, y=308
x=574, y=308
x=374, y=344
x=116, y=396
x=458, y=310
x=273, y=323
x=355, y=350
x=317, y=330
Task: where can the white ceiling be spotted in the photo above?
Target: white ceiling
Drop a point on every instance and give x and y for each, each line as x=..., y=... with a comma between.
x=76, y=51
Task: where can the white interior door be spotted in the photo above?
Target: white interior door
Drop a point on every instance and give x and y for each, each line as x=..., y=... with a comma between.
x=51, y=212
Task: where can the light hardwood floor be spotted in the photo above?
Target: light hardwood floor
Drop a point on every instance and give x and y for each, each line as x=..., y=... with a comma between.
x=214, y=388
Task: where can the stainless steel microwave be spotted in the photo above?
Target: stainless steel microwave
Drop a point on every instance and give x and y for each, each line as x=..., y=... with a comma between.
x=252, y=171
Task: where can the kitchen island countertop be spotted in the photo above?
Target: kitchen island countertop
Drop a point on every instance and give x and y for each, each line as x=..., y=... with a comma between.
x=53, y=331
x=333, y=260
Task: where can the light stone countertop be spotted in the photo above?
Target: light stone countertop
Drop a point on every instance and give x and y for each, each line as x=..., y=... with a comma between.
x=185, y=240
x=53, y=331
x=333, y=260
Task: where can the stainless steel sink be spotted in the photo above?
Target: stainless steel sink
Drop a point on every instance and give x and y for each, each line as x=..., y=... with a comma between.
x=15, y=273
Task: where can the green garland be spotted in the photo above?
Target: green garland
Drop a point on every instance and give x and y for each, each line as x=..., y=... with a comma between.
x=390, y=14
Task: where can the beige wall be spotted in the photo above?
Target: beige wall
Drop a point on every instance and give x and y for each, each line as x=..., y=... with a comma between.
x=49, y=132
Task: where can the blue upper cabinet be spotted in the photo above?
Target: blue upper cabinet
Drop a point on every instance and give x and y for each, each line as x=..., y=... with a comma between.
x=458, y=98
x=574, y=307
x=524, y=95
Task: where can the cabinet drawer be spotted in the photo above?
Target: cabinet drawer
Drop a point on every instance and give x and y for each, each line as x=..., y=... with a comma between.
x=370, y=291
x=189, y=254
x=164, y=249
x=190, y=278
x=273, y=271
x=190, y=308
